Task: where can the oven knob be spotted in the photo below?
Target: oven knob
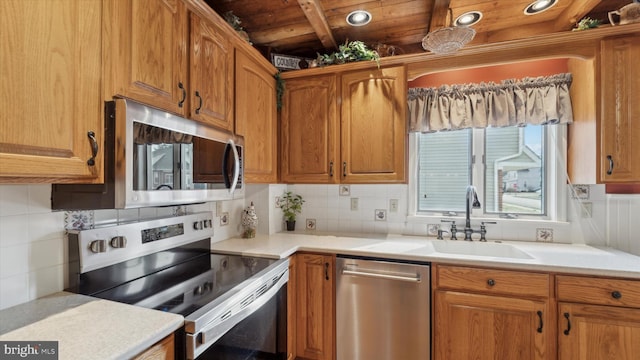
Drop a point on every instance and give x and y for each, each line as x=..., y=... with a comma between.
x=197, y=225
x=207, y=223
x=98, y=246
x=118, y=242
x=198, y=290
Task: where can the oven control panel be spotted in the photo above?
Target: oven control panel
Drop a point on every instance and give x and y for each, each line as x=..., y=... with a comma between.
x=110, y=245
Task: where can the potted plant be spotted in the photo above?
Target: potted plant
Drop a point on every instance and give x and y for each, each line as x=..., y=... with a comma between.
x=291, y=205
x=349, y=52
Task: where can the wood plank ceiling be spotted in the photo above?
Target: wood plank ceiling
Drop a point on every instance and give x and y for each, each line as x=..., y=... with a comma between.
x=308, y=27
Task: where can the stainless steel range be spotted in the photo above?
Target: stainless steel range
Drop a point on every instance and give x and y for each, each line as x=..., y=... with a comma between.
x=234, y=306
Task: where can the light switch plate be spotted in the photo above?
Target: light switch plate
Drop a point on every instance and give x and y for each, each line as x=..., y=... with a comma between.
x=586, y=209
x=354, y=204
x=393, y=205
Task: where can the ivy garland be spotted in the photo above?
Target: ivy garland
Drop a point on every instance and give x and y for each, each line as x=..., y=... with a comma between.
x=279, y=90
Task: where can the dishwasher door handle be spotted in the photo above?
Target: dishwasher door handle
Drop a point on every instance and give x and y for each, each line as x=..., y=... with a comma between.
x=415, y=279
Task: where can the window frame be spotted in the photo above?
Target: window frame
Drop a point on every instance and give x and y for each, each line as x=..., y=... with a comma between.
x=554, y=138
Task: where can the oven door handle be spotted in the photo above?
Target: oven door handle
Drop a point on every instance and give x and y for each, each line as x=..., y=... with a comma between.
x=216, y=329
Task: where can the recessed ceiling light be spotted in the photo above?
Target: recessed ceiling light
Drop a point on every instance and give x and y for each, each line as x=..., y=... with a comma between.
x=539, y=6
x=469, y=18
x=358, y=18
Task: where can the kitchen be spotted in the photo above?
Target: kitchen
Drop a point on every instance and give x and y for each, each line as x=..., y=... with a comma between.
x=34, y=262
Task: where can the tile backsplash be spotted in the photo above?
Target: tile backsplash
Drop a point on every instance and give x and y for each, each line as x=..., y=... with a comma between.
x=33, y=248
x=33, y=259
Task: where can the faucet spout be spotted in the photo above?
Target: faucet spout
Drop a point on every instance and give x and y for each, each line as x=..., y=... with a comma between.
x=472, y=202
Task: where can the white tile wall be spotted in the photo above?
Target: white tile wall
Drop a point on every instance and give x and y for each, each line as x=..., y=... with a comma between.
x=33, y=260
x=33, y=247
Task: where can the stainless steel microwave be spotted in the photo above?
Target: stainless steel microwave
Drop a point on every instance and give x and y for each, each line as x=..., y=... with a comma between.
x=154, y=158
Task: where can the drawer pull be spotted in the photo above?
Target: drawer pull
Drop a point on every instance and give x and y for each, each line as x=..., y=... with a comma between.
x=539, y=329
x=616, y=295
x=491, y=282
x=568, y=329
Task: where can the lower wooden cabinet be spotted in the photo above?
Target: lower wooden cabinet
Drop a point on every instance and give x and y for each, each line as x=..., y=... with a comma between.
x=314, y=312
x=491, y=314
x=162, y=350
x=598, y=318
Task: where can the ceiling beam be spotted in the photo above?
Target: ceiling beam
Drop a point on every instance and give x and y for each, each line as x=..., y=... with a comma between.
x=439, y=15
x=576, y=10
x=315, y=14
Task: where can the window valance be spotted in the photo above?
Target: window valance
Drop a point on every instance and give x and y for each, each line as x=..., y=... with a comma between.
x=535, y=101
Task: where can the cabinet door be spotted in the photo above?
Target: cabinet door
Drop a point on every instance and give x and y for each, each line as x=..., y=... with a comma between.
x=472, y=326
x=256, y=119
x=50, y=66
x=315, y=328
x=211, y=87
x=619, y=123
x=598, y=332
x=146, y=52
x=373, y=128
x=309, y=123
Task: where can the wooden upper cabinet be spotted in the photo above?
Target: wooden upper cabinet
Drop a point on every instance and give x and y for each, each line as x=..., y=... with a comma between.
x=256, y=118
x=620, y=115
x=146, y=52
x=310, y=132
x=51, y=70
x=373, y=126
x=211, y=74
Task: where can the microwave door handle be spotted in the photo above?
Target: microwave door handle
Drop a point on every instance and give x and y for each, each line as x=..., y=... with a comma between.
x=236, y=165
x=225, y=163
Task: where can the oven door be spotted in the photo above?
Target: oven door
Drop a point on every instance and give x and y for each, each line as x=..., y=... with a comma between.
x=248, y=322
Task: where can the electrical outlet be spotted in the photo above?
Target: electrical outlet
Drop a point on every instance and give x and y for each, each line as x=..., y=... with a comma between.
x=393, y=205
x=277, y=201
x=218, y=208
x=586, y=209
x=354, y=204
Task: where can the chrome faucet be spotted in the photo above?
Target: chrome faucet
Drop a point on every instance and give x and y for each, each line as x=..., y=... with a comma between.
x=472, y=202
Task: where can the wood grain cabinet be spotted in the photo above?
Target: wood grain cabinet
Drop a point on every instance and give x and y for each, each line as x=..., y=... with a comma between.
x=315, y=306
x=620, y=110
x=598, y=318
x=51, y=99
x=491, y=314
x=161, y=54
x=345, y=128
x=162, y=350
x=256, y=118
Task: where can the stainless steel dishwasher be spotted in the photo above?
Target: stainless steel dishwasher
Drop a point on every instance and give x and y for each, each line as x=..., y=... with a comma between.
x=383, y=310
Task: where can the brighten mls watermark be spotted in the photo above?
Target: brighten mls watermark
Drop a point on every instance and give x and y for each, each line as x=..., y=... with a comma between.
x=32, y=350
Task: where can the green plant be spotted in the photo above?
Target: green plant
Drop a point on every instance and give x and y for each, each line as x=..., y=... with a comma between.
x=279, y=90
x=233, y=20
x=587, y=23
x=349, y=52
x=291, y=205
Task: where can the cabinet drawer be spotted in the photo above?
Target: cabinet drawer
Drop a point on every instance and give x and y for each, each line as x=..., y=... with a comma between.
x=491, y=281
x=601, y=291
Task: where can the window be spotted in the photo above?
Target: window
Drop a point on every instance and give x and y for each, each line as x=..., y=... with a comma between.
x=516, y=171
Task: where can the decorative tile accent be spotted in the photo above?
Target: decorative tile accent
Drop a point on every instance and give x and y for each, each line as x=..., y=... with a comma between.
x=179, y=210
x=380, y=215
x=311, y=224
x=224, y=219
x=432, y=229
x=345, y=190
x=580, y=192
x=544, y=235
x=79, y=220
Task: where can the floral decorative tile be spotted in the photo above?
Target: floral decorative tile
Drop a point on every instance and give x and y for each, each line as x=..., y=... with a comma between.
x=79, y=220
x=224, y=219
x=179, y=210
x=580, y=192
x=345, y=190
x=544, y=235
x=311, y=224
x=380, y=215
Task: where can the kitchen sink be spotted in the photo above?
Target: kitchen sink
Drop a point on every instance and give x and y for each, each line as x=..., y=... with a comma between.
x=392, y=246
x=476, y=248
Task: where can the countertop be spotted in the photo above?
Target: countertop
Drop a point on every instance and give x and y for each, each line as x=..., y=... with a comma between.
x=86, y=327
x=533, y=256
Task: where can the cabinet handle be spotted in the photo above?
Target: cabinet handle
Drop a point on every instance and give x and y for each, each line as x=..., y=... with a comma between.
x=344, y=169
x=200, y=105
x=326, y=271
x=568, y=329
x=331, y=169
x=184, y=94
x=491, y=282
x=541, y=323
x=94, y=148
x=616, y=295
x=610, y=170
